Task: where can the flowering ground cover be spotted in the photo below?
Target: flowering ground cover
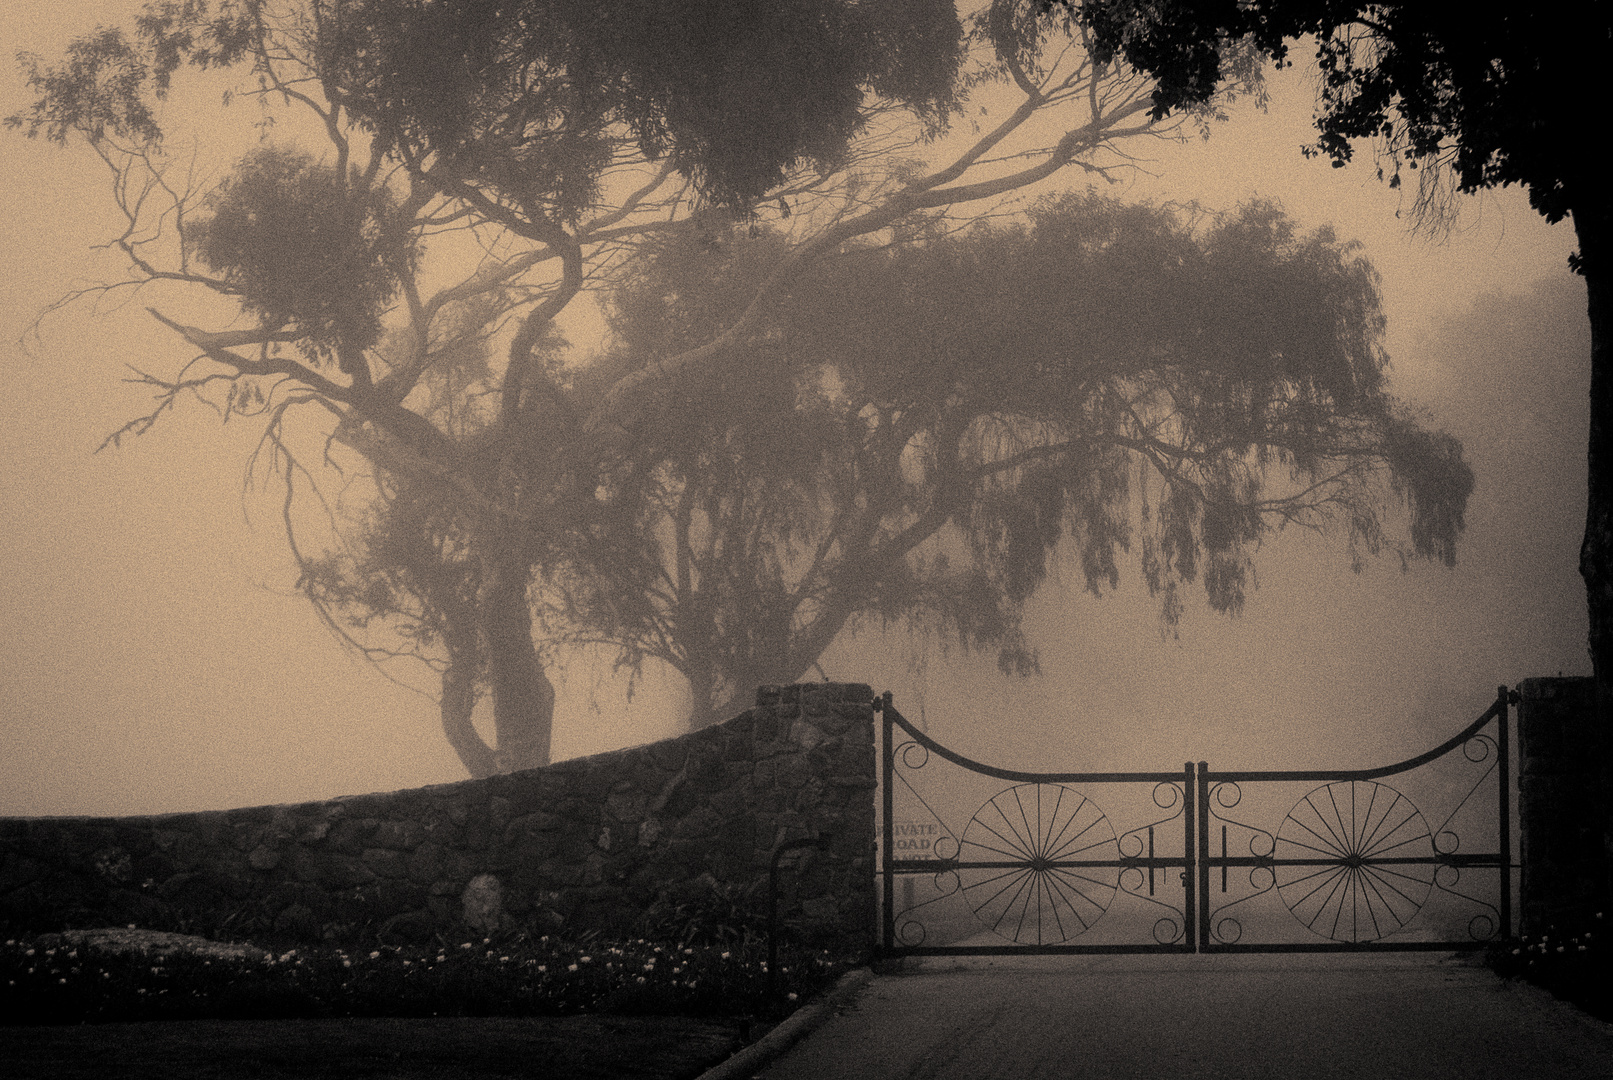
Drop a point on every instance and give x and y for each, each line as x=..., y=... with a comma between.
x=1576, y=966
x=52, y=980
x=518, y=1005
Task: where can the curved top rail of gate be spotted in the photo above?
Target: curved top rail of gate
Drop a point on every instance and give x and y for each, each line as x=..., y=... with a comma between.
x=1020, y=776
x=1017, y=775
x=1496, y=710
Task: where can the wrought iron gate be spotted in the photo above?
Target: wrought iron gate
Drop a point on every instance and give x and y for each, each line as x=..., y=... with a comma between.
x=981, y=860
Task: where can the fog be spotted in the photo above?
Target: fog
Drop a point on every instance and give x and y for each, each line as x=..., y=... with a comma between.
x=158, y=659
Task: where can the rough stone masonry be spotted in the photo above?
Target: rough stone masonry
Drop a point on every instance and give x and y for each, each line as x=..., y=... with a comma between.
x=597, y=843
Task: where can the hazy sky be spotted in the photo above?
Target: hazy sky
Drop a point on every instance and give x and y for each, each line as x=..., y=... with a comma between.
x=158, y=660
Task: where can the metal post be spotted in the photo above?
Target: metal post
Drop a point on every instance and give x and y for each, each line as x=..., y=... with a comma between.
x=888, y=781
x=822, y=844
x=1202, y=855
x=1189, y=881
x=1504, y=760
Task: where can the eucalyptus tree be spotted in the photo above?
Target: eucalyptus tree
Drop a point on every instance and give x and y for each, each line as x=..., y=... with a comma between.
x=922, y=430
x=445, y=180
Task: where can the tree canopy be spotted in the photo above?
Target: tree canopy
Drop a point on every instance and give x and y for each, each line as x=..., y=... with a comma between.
x=747, y=183
x=1480, y=99
x=923, y=431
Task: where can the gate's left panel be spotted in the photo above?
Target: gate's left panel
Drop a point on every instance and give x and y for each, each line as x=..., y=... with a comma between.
x=979, y=859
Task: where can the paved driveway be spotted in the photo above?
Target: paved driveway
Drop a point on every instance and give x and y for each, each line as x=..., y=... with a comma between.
x=1317, y=1017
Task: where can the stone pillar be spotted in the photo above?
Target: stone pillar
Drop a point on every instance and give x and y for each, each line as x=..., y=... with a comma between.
x=825, y=785
x=1560, y=805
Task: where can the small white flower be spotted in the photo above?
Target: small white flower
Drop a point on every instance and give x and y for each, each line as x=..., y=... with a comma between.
x=375, y=954
x=791, y=996
x=573, y=967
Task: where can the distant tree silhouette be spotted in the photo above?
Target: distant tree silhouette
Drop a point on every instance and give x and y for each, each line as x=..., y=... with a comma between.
x=1464, y=98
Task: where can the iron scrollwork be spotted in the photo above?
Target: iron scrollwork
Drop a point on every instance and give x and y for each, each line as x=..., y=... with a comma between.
x=1355, y=860
x=1040, y=863
x=1137, y=849
x=1228, y=929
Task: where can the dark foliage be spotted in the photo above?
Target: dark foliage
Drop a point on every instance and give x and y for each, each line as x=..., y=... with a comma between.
x=304, y=248
x=48, y=980
x=924, y=431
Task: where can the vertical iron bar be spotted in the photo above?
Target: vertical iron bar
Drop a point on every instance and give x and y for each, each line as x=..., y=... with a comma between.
x=1189, y=884
x=1223, y=858
x=889, y=827
x=1150, y=860
x=1203, y=856
x=1503, y=736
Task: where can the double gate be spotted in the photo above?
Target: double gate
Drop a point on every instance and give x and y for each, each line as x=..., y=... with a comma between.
x=982, y=860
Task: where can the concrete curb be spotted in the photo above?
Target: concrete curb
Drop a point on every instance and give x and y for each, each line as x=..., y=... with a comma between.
x=799, y=1024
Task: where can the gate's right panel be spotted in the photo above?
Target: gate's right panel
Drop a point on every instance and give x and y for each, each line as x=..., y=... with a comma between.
x=1415, y=855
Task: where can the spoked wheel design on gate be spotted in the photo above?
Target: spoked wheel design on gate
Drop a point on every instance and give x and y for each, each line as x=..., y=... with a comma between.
x=1026, y=864
x=1354, y=861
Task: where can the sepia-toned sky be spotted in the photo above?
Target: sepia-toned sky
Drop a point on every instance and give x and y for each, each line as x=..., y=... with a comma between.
x=155, y=658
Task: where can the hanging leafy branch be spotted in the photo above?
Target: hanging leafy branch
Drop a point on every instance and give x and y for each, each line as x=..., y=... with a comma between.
x=448, y=179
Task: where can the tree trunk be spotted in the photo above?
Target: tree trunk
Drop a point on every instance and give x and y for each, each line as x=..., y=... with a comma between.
x=523, y=696
x=458, y=702
x=1595, y=233
x=1596, y=553
x=702, y=685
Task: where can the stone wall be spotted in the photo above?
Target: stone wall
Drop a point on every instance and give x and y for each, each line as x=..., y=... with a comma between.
x=675, y=830
x=1561, y=811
